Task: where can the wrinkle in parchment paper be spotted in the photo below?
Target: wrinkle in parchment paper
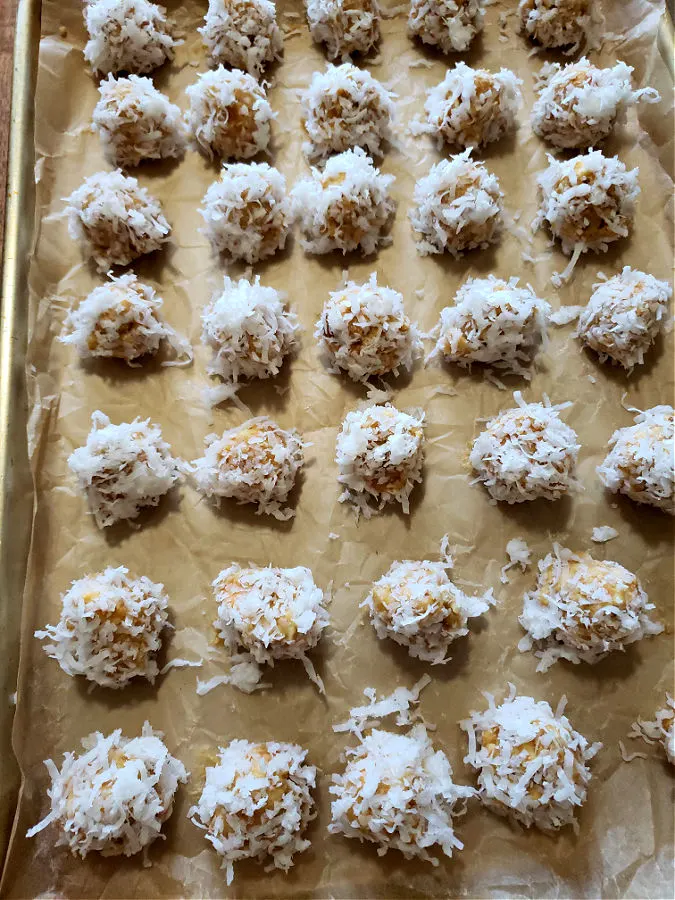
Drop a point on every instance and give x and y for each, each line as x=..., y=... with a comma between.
x=626, y=829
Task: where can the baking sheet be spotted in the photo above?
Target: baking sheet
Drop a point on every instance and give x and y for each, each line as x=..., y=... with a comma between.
x=625, y=843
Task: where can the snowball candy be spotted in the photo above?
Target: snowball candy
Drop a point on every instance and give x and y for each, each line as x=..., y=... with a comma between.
x=379, y=454
x=493, y=322
x=135, y=122
x=450, y=25
x=257, y=462
x=588, y=201
x=247, y=212
x=579, y=103
x=661, y=728
x=249, y=330
x=257, y=803
x=123, y=468
x=110, y=628
x=472, y=107
x=346, y=107
x=641, y=460
x=127, y=36
x=531, y=763
x=364, y=331
x=458, y=207
x=624, y=316
x=583, y=608
x=397, y=792
x=229, y=114
x=344, y=26
x=115, y=796
x=558, y=23
x=417, y=605
x=116, y=219
x=526, y=453
x=118, y=319
x=273, y=613
x=243, y=34
x=346, y=206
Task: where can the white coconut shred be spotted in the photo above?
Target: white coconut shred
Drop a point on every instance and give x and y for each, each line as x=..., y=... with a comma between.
x=379, y=453
x=346, y=107
x=396, y=791
x=493, y=322
x=583, y=609
x=272, y=613
x=450, y=25
x=119, y=319
x=365, y=332
x=243, y=34
x=257, y=462
x=345, y=27
x=531, y=763
x=116, y=219
x=579, y=104
x=229, y=115
x=472, y=107
x=110, y=628
x=345, y=207
x=127, y=36
x=661, y=728
x=526, y=453
x=624, y=316
x=257, y=803
x=457, y=207
x=136, y=122
x=115, y=796
x=123, y=468
x=641, y=460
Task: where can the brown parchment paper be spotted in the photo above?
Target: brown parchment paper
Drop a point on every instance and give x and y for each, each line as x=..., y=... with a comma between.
x=625, y=843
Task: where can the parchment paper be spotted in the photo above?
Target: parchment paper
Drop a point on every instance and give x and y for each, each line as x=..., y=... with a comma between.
x=624, y=847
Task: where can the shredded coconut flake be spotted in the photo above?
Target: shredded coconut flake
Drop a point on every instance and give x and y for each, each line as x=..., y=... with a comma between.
x=127, y=36
x=458, y=207
x=579, y=103
x=247, y=212
x=450, y=25
x=531, y=764
x=243, y=34
x=565, y=315
x=229, y=114
x=641, y=461
x=136, y=122
x=624, y=316
x=123, y=468
x=110, y=628
x=345, y=27
x=495, y=323
x=519, y=554
x=472, y=107
x=346, y=107
x=257, y=462
x=604, y=533
x=116, y=219
x=587, y=202
x=119, y=319
x=257, y=803
x=379, y=454
x=583, y=609
x=364, y=331
x=115, y=796
x=526, y=453
x=345, y=207
x=249, y=330
x=661, y=729
x=272, y=613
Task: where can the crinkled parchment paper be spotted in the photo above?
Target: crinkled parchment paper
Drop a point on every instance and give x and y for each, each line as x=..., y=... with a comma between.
x=624, y=847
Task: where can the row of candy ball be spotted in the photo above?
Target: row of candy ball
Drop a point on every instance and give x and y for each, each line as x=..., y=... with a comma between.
x=230, y=116
x=396, y=790
x=524, y=454
x=136, y=35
